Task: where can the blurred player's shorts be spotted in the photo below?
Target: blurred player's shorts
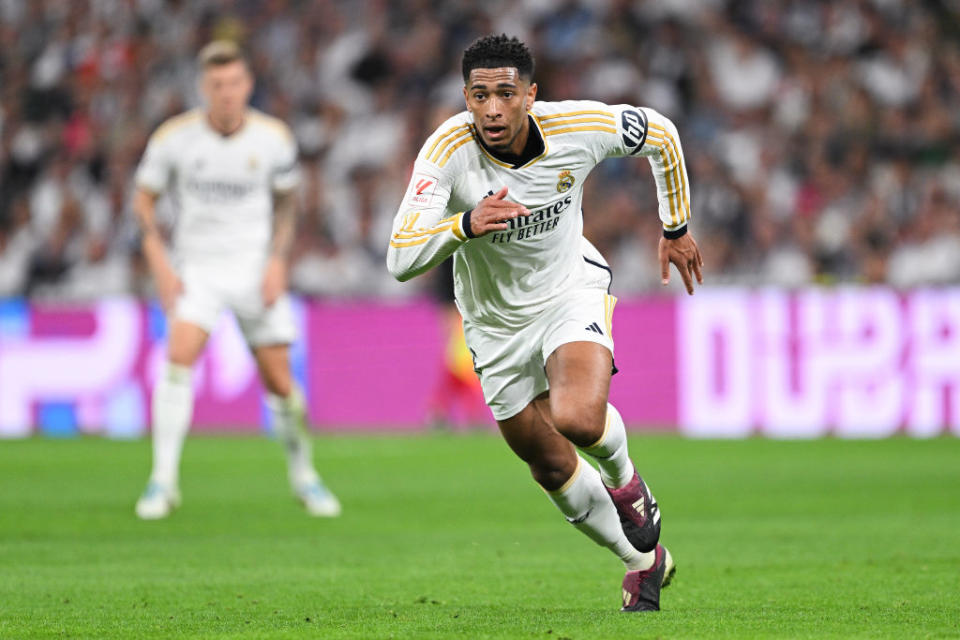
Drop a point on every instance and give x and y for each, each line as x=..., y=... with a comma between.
x=210, y=287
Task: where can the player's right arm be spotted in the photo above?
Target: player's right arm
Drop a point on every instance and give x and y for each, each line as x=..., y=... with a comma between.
x=425, y=232
x=152, y=177
x=154, y=249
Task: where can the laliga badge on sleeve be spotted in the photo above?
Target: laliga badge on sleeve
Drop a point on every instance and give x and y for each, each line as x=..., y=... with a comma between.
x=422, y=187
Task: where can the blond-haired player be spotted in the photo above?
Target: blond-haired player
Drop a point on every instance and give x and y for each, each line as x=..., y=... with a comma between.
x=499, y=186
x=232, y=171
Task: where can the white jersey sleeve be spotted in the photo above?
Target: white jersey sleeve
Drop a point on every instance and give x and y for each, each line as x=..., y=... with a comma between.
x=424, y=231
x=642, y=131
x=286, y=173
x=156, y=166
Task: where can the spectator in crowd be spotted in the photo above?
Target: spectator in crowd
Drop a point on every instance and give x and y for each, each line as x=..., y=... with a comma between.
x=822, y=137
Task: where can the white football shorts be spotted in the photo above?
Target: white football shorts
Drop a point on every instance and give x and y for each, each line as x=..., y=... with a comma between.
x=209, y=288
x=510, y=362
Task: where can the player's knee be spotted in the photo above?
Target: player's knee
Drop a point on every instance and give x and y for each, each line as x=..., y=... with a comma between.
x=552, y=470
x=582, y=422
x=185, y=344
x=278, y=384
x=182, y=355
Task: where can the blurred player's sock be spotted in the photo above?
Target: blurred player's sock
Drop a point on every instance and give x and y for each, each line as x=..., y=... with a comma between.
x=289, y=426
x=610, y=451
x=585, y=503
x=172, y=409
x=289, y=423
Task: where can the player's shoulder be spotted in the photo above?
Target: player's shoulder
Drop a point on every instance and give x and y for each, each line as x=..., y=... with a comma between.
x=269, y=125
x=571, y=108
x=178, y=125
x=449, y=142
x=575, y=117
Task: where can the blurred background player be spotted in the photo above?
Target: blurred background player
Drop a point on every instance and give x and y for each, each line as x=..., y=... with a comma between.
x=535, y=294
x=233, y=171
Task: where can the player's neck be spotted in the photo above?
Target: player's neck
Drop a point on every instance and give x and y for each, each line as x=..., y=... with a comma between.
x=226, y=126
x=523, y=137
x=527, y=146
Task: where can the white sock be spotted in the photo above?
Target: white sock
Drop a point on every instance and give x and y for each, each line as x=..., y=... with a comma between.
x=610, y=451
x=289, y=426
x=171, y=411
x=588, y=507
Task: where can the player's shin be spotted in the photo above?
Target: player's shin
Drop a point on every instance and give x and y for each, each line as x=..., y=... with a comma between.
x=587, y=506
x=172, y=410
x=610, y=451
x=289, y=424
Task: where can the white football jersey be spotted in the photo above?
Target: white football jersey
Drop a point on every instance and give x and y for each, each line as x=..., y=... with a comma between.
x=223, y=185
x=506, y=278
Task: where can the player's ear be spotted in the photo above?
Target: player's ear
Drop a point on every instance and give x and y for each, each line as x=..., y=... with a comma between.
x=531, y=95
x=466, y=99
x=251, y=83
x=202, y=85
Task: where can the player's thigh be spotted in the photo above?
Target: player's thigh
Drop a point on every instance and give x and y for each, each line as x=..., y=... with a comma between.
x=578, y=355
x=579, y=375
x=265, y=326
x=531, y=435
x=269, y=331
x=194, y=315
x=273, y=362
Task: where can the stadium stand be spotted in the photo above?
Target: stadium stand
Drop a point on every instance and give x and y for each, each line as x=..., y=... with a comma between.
x=822, y=137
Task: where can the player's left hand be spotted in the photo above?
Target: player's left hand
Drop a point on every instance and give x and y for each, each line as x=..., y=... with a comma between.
x=274, y=280
x=685, y=254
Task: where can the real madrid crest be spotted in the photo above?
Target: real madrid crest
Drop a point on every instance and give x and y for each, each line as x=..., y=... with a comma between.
x=565, y=182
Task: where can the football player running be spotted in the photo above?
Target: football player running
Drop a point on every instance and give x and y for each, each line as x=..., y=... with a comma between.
x=499, y=187
x=233, y=172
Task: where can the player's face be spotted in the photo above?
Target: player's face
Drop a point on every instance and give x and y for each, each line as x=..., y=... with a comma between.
x=227, y=90
x=499, y=100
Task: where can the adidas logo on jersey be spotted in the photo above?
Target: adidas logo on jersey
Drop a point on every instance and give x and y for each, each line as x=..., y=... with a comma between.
x=595, y=328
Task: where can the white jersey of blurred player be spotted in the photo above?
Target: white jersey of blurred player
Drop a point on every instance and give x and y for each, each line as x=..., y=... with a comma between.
x=224, y=187
x=232, y=172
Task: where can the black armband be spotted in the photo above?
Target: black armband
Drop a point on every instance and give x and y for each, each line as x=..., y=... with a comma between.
x=673, y=234
x=467, y=231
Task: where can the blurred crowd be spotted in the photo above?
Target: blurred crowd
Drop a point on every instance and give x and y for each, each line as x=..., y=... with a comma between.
x=821, y=137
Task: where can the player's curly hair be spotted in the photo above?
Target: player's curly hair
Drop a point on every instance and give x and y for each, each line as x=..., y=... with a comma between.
x=492, y=52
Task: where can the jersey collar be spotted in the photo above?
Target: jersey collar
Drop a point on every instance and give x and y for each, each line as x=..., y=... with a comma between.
x=227, y=136
x=536, y=148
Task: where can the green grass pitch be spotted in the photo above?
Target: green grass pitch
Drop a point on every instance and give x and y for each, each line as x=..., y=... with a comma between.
x=445, y=536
